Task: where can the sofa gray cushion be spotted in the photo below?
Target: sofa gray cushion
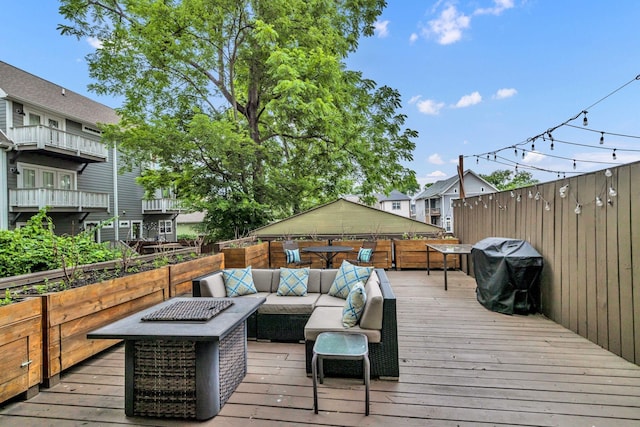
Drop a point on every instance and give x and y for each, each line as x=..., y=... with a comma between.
x=329, y=319
x=266, y=280
x=326, y=300
x=213, y=286
x=373, y=310
x=276, y=304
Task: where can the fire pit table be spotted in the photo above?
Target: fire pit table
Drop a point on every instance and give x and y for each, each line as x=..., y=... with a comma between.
x=184, y=357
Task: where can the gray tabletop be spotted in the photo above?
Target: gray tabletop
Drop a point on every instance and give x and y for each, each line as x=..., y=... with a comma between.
x=133, y=328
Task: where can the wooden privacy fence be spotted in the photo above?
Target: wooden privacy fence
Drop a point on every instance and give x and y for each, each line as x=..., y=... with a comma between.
x=591, y=277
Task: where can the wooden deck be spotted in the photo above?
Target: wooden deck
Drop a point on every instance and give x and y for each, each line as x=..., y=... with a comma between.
x=461, y=365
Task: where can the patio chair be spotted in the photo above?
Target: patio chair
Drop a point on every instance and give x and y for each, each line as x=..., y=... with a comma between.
x=365, y=253
x=292, y=255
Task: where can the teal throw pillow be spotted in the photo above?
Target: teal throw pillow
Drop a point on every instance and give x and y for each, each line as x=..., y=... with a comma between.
x=293, y=255
x=293, y=282
x=238, y=282
x=354, y=305
x=364, y=255
x=347, y=276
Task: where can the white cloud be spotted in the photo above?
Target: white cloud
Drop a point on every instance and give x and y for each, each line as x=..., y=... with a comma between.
x=430, y=107
x=469, y=100
x=381, y=28
x=505, y=93
x=436, y=174
x=499, y=7
x=449, y=25
x=414, y=99
x=436, y=159
x=412, y=38
x=94, y=42
x=533, y=157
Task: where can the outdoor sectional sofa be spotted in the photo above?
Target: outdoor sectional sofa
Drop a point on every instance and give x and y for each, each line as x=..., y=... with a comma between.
x=303, y=318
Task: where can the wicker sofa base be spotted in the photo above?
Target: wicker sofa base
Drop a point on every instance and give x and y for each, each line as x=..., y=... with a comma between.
x=282, y=327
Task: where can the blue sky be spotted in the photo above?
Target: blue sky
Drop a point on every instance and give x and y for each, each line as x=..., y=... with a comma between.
x=475, y=77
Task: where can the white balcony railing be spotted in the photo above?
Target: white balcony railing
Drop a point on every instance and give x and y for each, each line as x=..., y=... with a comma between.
x=44, y=137
x=160, y=205
x=38, y=198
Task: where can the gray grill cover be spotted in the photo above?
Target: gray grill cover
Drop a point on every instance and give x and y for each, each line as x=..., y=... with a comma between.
x=507, y=274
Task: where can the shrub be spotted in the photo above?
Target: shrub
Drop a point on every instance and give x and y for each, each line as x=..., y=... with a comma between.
x=35, y=247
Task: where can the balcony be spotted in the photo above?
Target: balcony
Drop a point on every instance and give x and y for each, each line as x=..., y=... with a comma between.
x=59, y=143
x=433, y=212
x=34, y=199
x=161, y=206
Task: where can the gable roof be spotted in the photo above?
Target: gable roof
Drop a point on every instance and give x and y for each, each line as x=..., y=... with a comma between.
x=440, y=187
x=394, y=196
x=342, y=217
x=21, y=86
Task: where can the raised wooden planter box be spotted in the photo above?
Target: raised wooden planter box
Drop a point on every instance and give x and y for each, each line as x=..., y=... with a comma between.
x=257, y=256
x=382, y=257
x=180, y=275
x=70, y=314
x=413, y=254
x=20, y=348
x=277, y=257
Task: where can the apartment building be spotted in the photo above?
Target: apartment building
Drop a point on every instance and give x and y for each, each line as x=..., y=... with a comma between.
x=52, y=155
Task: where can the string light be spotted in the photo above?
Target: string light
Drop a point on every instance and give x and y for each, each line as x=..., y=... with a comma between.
x=614, y=154
x=563, y=191
x=599, y=202
x=612, y=192
x=519, y=198
x=530, y=195
x=585, y=121
x=574, y=164
x=538, y=196
x=608, y=173
x=547, y=207
x=601, y=138
x=578, y=209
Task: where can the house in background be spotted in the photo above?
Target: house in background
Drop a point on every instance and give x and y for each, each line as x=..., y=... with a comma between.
x=52, y=155
x=396, y=202
x=434, y=205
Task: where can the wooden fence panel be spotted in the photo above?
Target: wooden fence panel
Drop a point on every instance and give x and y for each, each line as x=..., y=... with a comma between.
x=589, y=280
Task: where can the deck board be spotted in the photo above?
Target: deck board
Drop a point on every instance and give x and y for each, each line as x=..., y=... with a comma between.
x=460, y=365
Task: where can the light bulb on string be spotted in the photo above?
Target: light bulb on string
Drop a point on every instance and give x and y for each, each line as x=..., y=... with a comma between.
x=585, y=121
x=537, y=197
x=485, y=206
x=574, y=165
x=533, y=146
x=512, y=194
x=599, y=202
x=547, y=206
x=608, y=173
x=523, y=153
x=610, y=202
x=578, y=209
x=612, y=192
x=601, y=138
x=515, y=151
x=530, y=195
x=613, y=154
x=551, y=145
x=519, y=198
x=563, y=191
x=477, y=160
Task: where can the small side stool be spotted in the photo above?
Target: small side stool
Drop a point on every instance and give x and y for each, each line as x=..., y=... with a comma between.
x=342, y=346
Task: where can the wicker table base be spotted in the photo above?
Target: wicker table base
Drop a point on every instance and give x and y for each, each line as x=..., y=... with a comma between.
x=185, y=379
x=182, y=368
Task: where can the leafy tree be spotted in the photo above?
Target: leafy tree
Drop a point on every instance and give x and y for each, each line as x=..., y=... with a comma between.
x=247, y=105
x=508, y=180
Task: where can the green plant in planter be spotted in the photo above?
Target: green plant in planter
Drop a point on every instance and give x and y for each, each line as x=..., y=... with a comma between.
x=8, y=299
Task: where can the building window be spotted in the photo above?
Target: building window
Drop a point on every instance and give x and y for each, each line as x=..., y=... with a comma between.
x=447, y=224
x=165, y=226
x=395, y=206
x=34, y=176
